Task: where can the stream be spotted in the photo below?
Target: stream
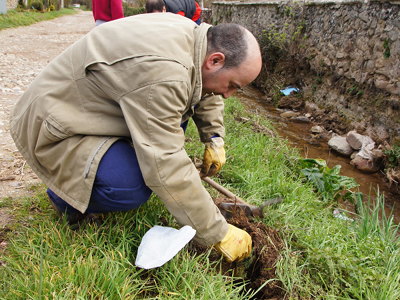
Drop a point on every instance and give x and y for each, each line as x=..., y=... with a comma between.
x=299, y=135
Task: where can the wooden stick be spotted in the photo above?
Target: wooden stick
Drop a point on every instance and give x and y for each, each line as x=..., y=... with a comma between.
x=9, y=177
x=223, y=190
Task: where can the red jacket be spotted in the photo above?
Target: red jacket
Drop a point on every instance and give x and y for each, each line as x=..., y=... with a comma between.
x=107, y=10
x=197, y=13
x=186, y=8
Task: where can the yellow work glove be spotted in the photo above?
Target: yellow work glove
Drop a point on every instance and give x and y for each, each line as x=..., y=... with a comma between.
x=236, y=245
x=214, y=157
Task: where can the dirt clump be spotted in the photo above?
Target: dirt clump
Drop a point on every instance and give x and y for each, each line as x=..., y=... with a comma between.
x=292, y=102
x=267, y=246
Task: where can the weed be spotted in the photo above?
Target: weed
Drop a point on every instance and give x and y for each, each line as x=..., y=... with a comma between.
x=386, y=48
x=277, y=42
x=328, y=181
x=274, y=44
x=355, y=91
x=319, y=79
x=299, y=31
x=288, y=11
x=393, y=157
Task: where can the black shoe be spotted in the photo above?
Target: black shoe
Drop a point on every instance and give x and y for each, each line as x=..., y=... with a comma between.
x=75, y=218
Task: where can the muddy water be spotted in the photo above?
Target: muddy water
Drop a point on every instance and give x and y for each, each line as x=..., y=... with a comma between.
x=299, y=136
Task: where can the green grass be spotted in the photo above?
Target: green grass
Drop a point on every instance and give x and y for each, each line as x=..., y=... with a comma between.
x=14, y=18
x=45, y=257
x=324, y=257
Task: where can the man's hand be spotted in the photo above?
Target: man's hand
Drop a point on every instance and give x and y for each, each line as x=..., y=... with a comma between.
x=236, y=245
x=214, y=157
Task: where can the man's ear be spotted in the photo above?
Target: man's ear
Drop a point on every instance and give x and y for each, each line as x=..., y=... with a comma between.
x=215, y=61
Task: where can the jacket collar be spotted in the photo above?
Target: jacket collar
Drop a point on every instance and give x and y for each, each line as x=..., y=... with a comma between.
x=200, y=49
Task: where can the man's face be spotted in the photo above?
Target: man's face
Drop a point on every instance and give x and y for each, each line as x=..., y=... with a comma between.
x=225, y=82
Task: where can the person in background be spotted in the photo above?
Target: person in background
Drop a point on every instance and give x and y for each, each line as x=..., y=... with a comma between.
x=155, y=6
x=186, y=8
x=103, y=130
x=107, y=10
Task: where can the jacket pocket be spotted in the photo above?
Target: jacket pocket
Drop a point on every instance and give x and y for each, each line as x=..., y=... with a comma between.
x=54, y=131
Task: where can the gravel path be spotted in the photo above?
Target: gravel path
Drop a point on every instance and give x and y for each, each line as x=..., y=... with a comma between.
x=24, y=52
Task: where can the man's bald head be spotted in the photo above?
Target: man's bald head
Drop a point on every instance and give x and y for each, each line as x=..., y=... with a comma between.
x=232, y=61
x=234, y=41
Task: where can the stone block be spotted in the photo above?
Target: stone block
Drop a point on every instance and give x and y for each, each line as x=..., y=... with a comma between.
x=340, y=145
x=341, y=54
x=356, y=140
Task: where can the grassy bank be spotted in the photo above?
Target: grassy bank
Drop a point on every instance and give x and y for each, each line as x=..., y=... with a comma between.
x=324, y=257
x=14, y=18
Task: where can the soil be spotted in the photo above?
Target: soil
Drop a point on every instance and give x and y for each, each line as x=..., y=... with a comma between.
x=259, y=270
x=267, y=246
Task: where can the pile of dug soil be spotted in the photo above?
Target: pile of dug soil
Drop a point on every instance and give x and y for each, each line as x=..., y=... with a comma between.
x=267, y=246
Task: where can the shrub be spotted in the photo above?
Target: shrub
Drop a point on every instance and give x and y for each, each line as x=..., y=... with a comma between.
x=54, y=4
x=130, y=11
x=21, y=5
x=37, y=5
x=393, y=157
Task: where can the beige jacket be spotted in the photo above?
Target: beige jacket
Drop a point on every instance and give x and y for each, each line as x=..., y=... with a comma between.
x=137, y=78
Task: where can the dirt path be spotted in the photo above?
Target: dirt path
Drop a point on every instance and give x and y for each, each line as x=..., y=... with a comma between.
x=24, y=52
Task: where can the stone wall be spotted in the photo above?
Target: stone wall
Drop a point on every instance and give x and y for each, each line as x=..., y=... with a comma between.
x=351, y=41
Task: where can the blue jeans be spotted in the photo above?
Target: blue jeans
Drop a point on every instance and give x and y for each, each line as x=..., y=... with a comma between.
x=118, y=186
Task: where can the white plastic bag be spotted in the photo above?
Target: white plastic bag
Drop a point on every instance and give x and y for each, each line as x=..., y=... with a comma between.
x=160, y=244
